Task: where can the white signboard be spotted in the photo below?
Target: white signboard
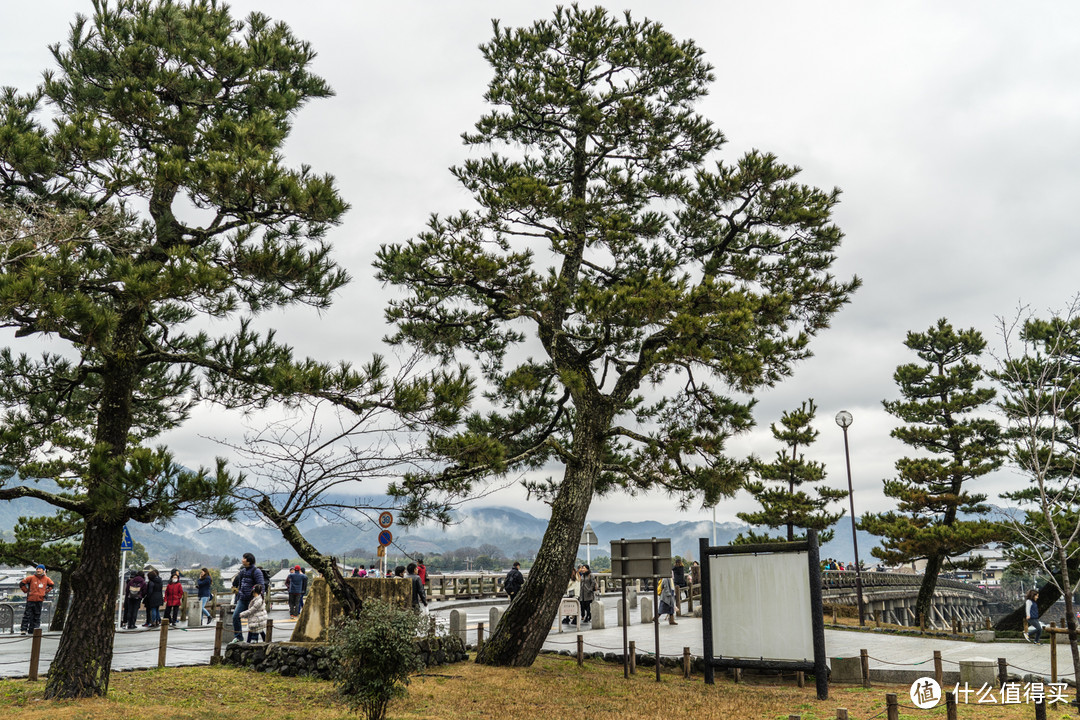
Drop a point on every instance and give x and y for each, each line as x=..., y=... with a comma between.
x=761, y=606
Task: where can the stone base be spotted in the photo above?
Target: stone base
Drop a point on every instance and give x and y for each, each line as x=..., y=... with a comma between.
x=984, y=636
x=846, y=670
x=977, y=672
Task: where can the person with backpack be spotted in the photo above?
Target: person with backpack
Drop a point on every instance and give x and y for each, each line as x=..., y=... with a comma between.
x=513, y=581
x=419, y=597
x=133, y=593
x=174, y=596
x=36, y=587
x=248, y=577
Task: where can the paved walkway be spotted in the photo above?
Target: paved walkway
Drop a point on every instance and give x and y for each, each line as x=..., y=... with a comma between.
x=137, y=649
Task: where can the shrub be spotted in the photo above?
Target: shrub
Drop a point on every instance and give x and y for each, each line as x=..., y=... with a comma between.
x=374, y=654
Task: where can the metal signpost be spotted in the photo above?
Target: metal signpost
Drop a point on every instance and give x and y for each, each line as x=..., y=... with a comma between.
x=588, y=539
x=385, y=538
x=640, y=560
x=125, y=546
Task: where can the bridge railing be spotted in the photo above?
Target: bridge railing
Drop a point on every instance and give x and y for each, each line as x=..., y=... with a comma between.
x=836, y=579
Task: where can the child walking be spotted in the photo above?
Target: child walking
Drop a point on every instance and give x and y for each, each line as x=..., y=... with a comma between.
x=256, y=615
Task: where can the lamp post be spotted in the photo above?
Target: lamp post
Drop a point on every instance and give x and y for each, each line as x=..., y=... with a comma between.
x=844, y=420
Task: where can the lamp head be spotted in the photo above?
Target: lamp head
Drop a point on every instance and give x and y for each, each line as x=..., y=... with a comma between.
x=844, y=419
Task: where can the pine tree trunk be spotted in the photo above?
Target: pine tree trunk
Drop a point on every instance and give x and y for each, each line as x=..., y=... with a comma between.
x=63, y=598
x=926, y=588
x=1048, y=597
x=1070, y=615
x=520, y=634
x=84, y=657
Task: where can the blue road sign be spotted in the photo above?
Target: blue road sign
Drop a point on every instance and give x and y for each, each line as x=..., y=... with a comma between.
x=126, y=543
x=385, y=537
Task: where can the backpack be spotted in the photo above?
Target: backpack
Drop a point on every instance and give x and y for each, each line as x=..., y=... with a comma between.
x=266, y=580
x=134, y=591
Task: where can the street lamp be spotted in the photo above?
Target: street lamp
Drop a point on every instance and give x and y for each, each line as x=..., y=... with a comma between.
x=844, y=420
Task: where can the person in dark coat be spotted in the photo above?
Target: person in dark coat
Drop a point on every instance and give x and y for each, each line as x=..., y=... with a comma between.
x=588, y=593
x=419, y=597
x=205, y=586
x=296, y=583
x=153, y=599
x=513, y=582
x=133, y=594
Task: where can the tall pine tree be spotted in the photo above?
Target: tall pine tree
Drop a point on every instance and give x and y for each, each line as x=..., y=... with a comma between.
x=610, y=252
x=146, y=213
x=784, y=504
x=941, y=407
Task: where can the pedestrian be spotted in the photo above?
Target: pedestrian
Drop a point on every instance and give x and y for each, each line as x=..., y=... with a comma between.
x=587, y=594
x=513, y=582
x=246, y=579
x=419, y=597
x=133, y=592
x=373, y=572
x=695, y=573
x=255, y=614
x=399, y=571
x=205, y=587
x=36, y=587
x=174, y=596
x=296, y=584
x=1032, y=625
x=153, y=599
x=421, y=570
x=667, y=600
x=573, y=590
x=356, y=572
x=678, y=577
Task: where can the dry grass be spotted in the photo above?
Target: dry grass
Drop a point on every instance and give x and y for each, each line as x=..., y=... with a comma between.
x=553, y=688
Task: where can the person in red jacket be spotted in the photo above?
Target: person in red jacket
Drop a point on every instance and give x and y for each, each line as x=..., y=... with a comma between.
x=36, y=587
x=174, y=595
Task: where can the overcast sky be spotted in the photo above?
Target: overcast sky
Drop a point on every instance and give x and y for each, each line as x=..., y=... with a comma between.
x=952, y=130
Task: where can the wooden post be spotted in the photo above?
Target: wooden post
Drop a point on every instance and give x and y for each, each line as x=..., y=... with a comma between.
x=800, y=678
x=841, y=714
x=219, y=628
x=937, y=667
x=877, y=622
x=834, y=615
x=950, y=706
x=864, y=659
x=686, y=662
x=580, y=649
x=269, y=630
x=1053, y=653
x=988, y=627
x=689, y=598
x=892, y=710
x=163, y=642
x=35, y=654
x=1040, y=709
x=479, y=635
x=1003, y=671
x=922, y=623
x=737, y=673
x=632, y=656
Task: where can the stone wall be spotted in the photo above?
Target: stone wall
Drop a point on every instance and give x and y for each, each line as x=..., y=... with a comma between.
x=292, y=659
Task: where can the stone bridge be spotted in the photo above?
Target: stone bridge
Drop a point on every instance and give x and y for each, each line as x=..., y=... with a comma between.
x=892, y=597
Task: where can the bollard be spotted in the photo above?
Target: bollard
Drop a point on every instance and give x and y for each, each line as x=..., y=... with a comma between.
x=864, y=660
x=937, y=668
x=841, y=714
x=1053, y=653
x=269, y=630
x=892, y=710
x=646, y=613
x=457, y=624
x=1003, y=671
x=800, y=678
x=35, y=654
x=597, y=611
x=950, y=706
x=686, y=662
x=633, y=657
x=479, y=635
x=163, y=642
x=1040, y=709
x=219, y=628
x=494, y=616
x=580, y=650
x=834, y=615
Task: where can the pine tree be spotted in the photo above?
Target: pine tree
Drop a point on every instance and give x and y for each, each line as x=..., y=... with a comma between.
x=611, y=252
x=788, y=505
x=941, y=399
x=144, y=204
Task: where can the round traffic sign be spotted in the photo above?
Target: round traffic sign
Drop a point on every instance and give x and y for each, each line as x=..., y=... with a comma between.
x=385, y=537
x=386, y=519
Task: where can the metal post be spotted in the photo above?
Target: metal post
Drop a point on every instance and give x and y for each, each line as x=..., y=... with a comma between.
x=656, y=629
x=123, y=590
x=854, y=535
x=633, y=657
x=624, y=619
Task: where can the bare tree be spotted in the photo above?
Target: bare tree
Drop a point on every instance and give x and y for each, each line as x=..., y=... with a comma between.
x=1039, y=373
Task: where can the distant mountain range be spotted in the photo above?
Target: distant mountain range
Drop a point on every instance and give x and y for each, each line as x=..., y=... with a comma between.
x=515, y=532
